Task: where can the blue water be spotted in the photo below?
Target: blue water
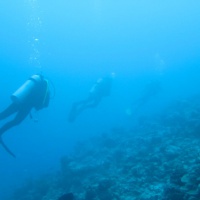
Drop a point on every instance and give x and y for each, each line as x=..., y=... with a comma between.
x=73, y=43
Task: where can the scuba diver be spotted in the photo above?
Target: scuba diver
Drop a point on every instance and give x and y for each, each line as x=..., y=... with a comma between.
x=100, y=89
x=34, y=93
x=150, y=90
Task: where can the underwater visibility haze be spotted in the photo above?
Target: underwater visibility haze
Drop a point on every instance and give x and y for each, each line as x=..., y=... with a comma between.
x=153, y=50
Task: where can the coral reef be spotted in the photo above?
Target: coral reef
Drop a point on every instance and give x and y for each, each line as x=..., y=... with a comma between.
x=159, y=159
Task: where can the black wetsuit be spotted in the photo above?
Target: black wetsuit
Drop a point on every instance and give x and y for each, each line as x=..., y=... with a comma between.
x=102, y=88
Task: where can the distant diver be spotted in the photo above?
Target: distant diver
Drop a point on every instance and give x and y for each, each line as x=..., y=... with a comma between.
x=100, y=89
x=34, y=93
x=68, y=196
x=149, y=91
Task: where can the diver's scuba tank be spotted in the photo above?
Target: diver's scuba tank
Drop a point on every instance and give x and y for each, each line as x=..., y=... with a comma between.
x=20, y=95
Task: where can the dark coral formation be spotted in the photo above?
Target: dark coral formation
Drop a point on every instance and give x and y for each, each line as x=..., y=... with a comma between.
x=159, y=159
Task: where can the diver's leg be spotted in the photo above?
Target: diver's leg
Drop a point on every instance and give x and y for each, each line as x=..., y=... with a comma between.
x=84, y=104
x=74, y=110
x=87, y=104
x=94, y=104
x=9, y=111
x=77, y=108
x=21, y=115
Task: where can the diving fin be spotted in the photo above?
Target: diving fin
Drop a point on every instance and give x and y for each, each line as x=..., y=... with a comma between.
x=6, y=148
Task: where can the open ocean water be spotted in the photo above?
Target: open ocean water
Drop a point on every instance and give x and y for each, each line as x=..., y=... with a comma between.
x=73, y=43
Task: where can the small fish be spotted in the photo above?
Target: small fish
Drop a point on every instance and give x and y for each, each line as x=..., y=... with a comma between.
x=68, y=196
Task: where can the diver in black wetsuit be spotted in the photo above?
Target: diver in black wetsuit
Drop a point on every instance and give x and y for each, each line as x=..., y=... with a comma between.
x=34, y=93
x=100, y=89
